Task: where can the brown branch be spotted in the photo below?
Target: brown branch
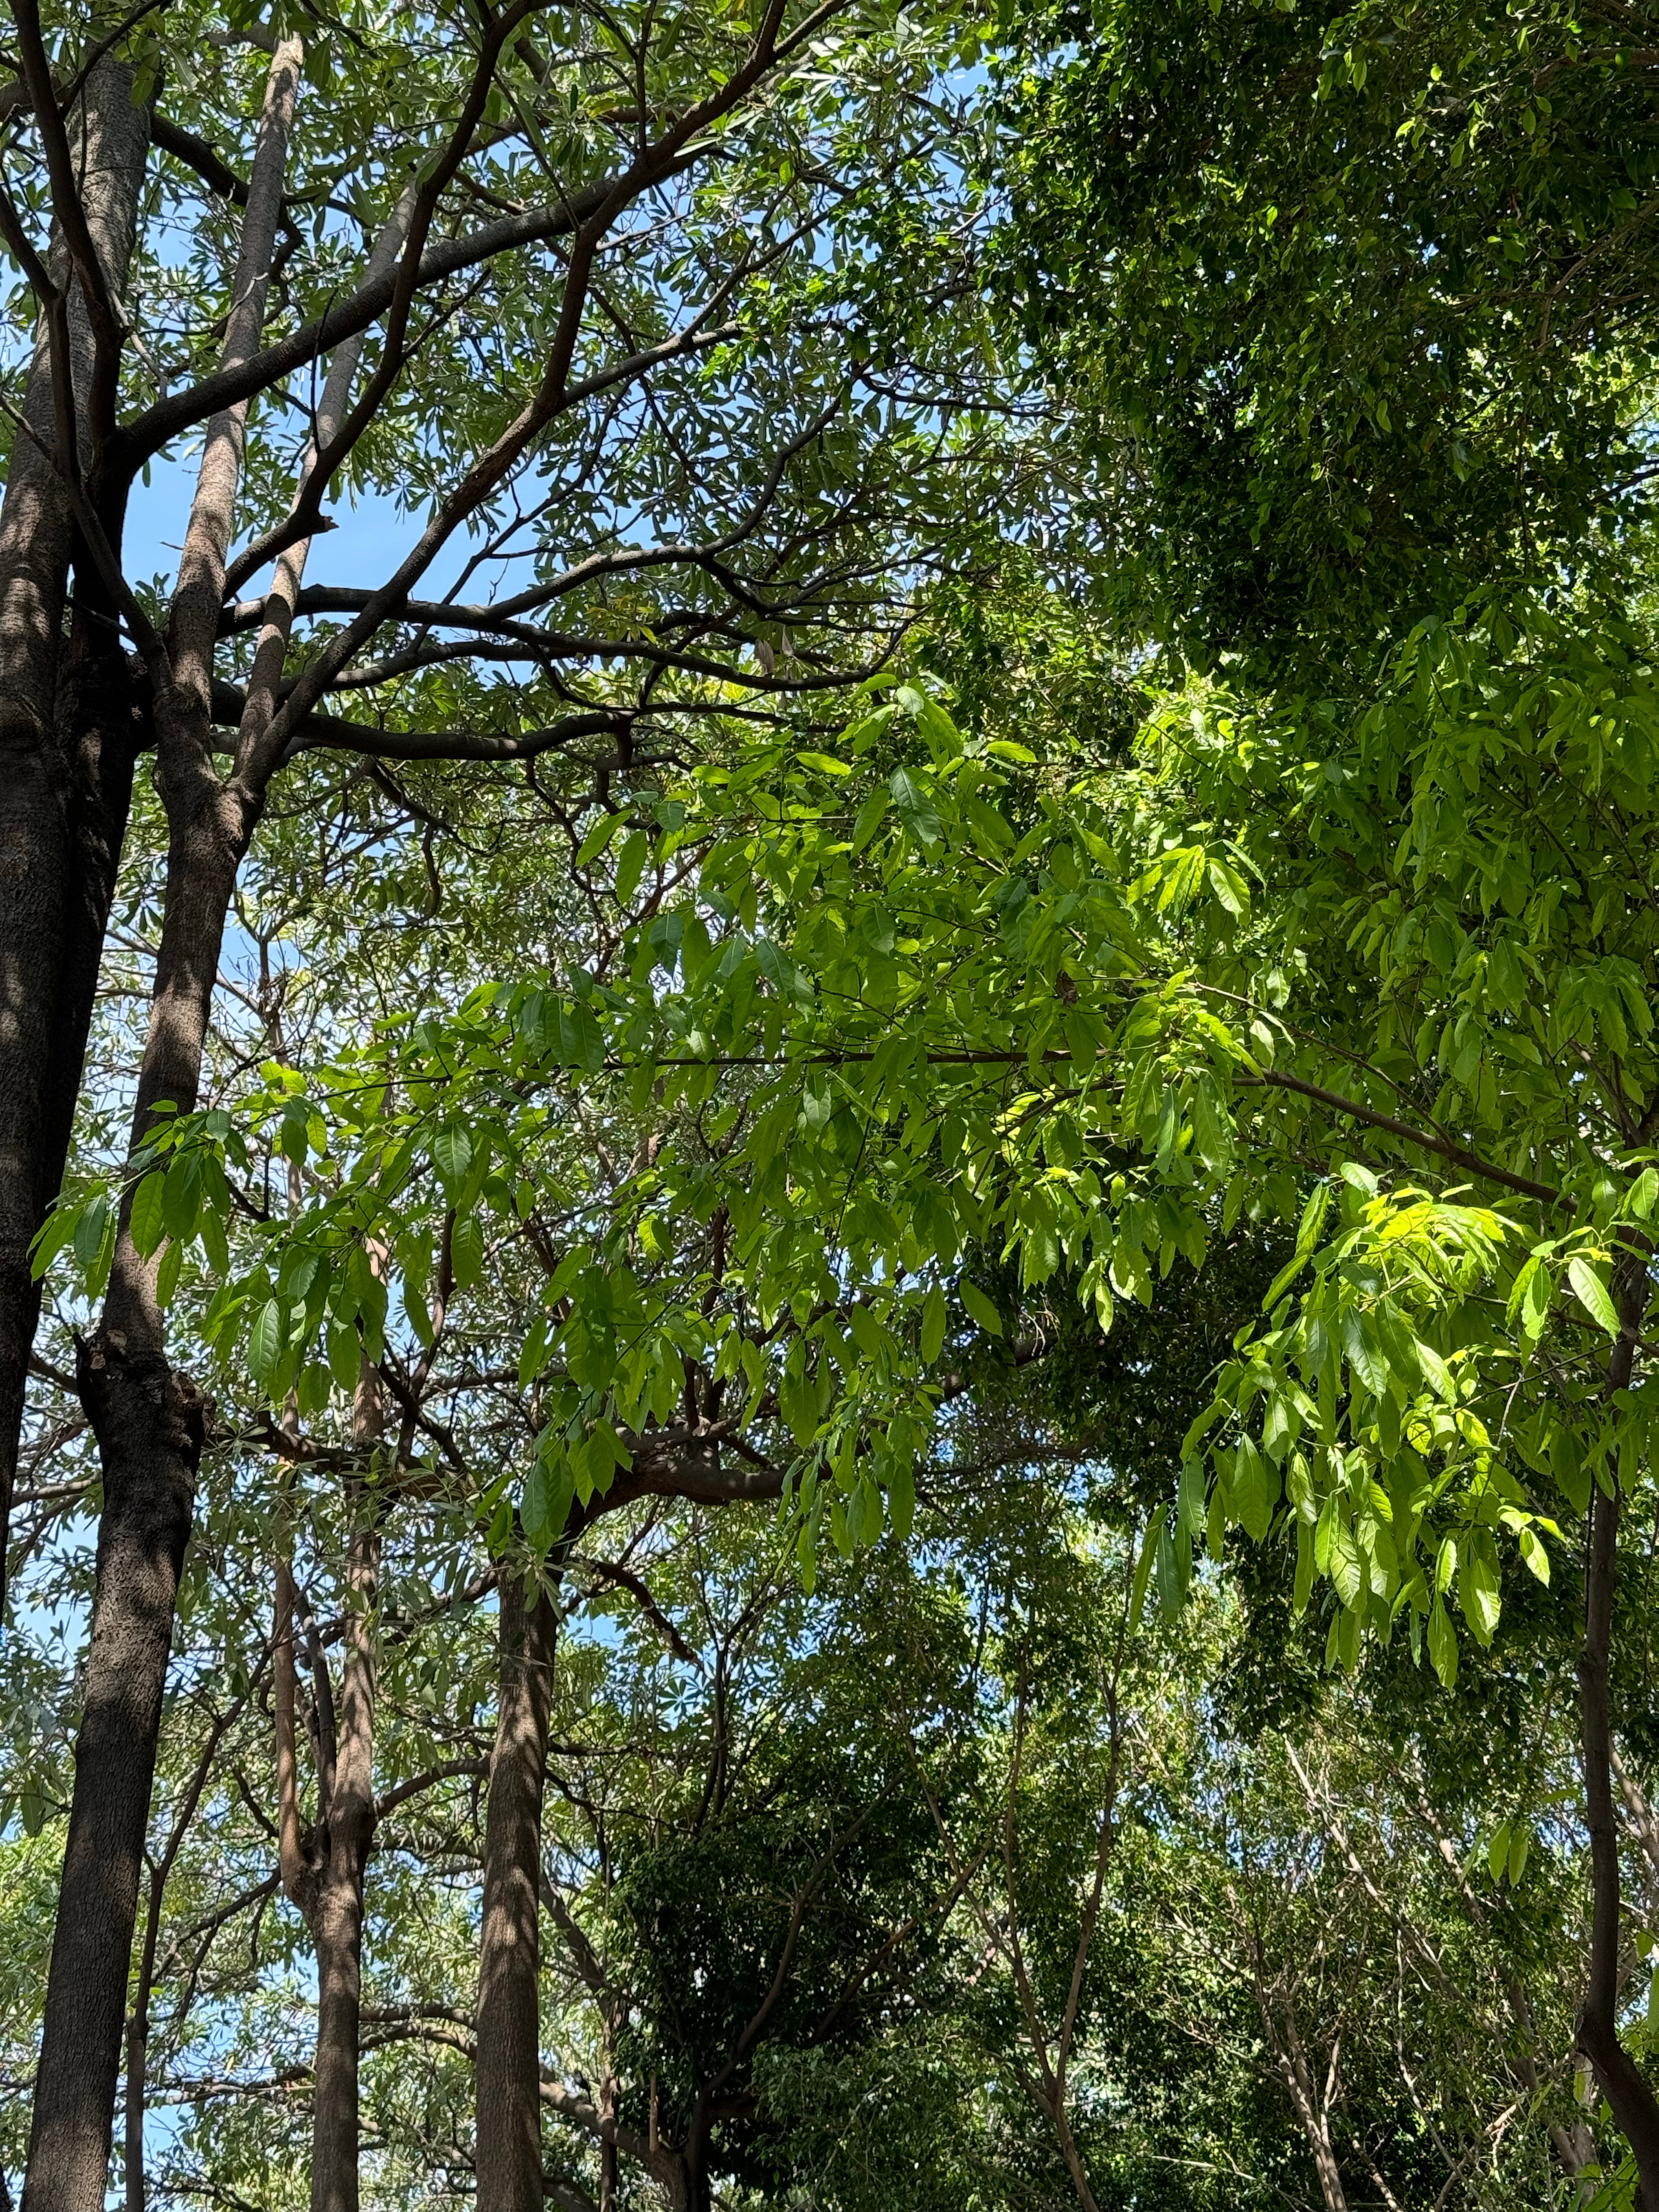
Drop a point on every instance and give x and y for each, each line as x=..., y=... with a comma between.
x=450, y=1770
x=140, y=440
x=195, y=153
x=576, y=1936
x=1425, y=1140
x=639, y=1592
x=554, y=393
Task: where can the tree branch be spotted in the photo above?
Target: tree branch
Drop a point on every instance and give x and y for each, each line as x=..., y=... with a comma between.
x=1273, y=1079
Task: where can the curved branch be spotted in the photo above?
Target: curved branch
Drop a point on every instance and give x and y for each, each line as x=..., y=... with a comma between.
x=332, y=732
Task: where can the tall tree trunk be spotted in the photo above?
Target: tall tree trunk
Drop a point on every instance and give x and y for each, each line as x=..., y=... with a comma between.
x=149, y=1439
x=1634, y=2105
x=147, y=1420
x=337, y=1921
x=696, y=2186
x=323, y=1869
x=509, y=2133
x=65, y=761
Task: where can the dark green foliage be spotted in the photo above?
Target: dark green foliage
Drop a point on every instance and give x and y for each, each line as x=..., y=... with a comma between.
x=1354, y=302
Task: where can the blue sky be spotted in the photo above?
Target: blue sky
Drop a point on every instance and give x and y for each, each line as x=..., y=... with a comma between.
x=371, y=539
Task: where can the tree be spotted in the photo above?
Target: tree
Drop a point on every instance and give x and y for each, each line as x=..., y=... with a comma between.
x=676, y=212
x=1414, y=1411
x=1354, y=304
x=705, y=1171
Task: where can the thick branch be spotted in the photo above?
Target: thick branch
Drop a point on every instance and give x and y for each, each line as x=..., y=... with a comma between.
x=334, y=733
x=193, y=626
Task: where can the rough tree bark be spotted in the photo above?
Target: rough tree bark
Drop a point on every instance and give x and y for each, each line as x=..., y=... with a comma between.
x=324, y=1867
x=1634, y=2105
x=148, y=1421
x=67, y=746
x=509, y=2137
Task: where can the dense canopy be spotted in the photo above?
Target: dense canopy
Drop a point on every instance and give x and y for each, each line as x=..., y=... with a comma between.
x=829, y=1107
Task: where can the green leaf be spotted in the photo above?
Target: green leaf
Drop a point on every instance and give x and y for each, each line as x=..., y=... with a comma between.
x=1592, y=1294
x=979, y=1308
x=1365, y=1356
x=600, y=834
x=345, y=1357
x=467, y=1249
x=915, y=809
x=452, y=1152
x=901, y=1498
x=1478, y=1589
x=90, y=1230
x=311, y=1388
x=932, y=1325
x=1533, y=1552
x=1346, y=1568
x=533, y=1511
x=1192, y=1497
x=500, y=1533
x=581, y=1041
x=869, y=818
x=1535, y=1299
x=56, y=1230
x=215, y=1243
x=1520, y=1845
x=146, y=1221
x=533, y=1356
x=1255, y=1490
x=630, y=866
x=1143, y=1572
x=1497, y=1851
x=265, y=1343
x=1567, y=1465
x=1313, y=1217
x=1442, y=1646
x=1170, y=1581
x=181, y=1195
x=867, y=1333
x=1229, y=887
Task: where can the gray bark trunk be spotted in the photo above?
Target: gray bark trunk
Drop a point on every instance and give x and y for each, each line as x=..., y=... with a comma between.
x=149, y=1423
x=509, y=2138
x=147, y=1420
x=65, y=767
